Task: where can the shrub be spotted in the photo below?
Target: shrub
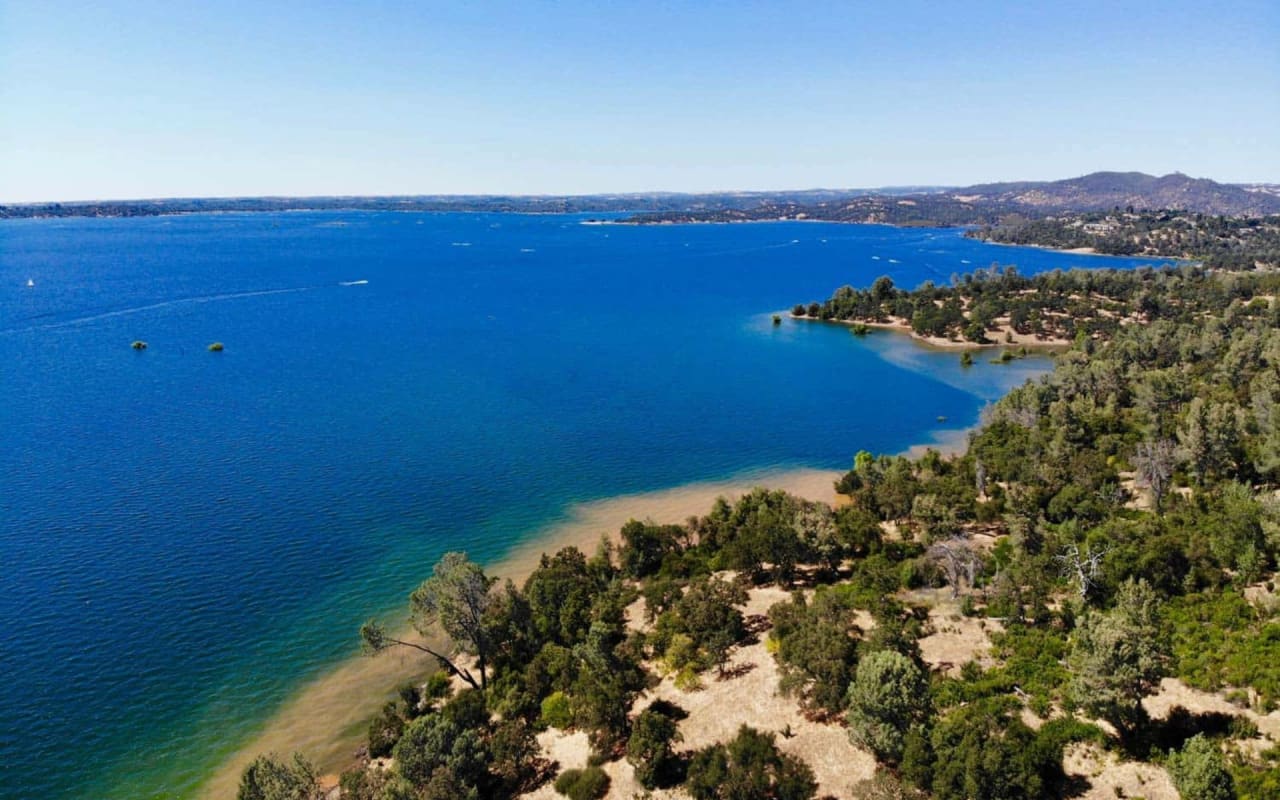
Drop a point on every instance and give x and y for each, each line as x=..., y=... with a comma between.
x=438, y=686
x=1199, y=772
x=1258, y=781
x=373, y=783
x=556, y=711
x=270, y=778
x=1221, y=640
x=384, y=731
x=583, y=784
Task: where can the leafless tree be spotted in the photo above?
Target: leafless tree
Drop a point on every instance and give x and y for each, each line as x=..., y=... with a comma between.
x=1081, y=566
x=959, y=559
x=1155, y=461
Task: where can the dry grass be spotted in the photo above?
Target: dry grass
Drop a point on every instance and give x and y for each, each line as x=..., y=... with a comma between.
x=956, y=639
x=1174, y=693
x=720, y=707
x=1110, y=778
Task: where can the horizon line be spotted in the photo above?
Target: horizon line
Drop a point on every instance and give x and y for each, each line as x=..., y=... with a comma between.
x=922, y=187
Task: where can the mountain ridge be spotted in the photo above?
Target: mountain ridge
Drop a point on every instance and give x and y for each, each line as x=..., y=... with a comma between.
x=973, y=204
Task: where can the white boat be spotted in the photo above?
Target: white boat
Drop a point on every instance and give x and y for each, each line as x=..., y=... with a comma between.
x=31, y=284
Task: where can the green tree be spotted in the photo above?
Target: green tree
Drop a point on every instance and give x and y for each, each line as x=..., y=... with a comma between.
x=750, y=767
x=981, y=753
x=268, y=777
x=644, y=545
x=1210, y=438
x=815, y=648
x=708, y=615
x=650, y=747
x=455, y=598
x=513, y=756
x=1199, y=771
x=882, y=290
x=859, y=531
x=888, y=697
x=446, y=784
x=375, y=783
x=560, y=593
x=437, y=742
x=1118, y=657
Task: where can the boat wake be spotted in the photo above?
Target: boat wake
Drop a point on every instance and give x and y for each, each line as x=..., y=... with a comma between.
x=121, y=312
x=352, y=283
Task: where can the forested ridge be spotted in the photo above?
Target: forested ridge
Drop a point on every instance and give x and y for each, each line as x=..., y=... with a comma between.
x=987, y=204
x=1219, y=242
x=980, y=306
x=1110, y=526
x=903, y=205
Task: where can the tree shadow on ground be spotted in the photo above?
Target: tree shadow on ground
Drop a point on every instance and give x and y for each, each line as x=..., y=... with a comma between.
x=1158, y=736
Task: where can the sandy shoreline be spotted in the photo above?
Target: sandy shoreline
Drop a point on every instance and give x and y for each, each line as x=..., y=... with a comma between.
x=1020, y=340
x=326, y=718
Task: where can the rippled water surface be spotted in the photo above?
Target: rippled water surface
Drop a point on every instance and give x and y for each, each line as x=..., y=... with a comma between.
x=186, y=536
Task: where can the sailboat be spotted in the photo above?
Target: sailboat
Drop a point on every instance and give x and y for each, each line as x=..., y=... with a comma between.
x=31, y=284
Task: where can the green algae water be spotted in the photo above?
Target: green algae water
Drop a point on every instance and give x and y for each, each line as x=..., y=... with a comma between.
x=188, y=536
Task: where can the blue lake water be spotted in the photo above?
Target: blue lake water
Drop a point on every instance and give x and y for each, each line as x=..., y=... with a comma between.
x=187, y=536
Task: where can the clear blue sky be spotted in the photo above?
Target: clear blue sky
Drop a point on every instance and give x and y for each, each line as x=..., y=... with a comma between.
x=157, y=99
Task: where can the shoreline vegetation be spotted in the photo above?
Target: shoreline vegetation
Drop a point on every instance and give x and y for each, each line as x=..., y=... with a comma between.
x=1015, y=342
x=1081, y=602
x=327, y=718
x=997, y=306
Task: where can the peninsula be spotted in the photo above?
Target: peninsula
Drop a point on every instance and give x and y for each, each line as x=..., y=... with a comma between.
x=1080, y=603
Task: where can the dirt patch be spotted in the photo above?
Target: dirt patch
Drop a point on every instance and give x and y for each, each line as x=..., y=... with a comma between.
x=957, y=639
x=718, y=709
x=1109, y=778
x=1174, y=693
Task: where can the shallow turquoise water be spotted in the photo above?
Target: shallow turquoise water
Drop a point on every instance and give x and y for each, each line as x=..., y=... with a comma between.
x=186, y=537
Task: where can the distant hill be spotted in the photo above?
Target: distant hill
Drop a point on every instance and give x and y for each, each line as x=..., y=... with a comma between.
x=920, y=205
x=985, y=204
x=1106, y=190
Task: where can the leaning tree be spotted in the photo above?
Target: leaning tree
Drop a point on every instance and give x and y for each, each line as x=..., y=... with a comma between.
x=454, y=600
